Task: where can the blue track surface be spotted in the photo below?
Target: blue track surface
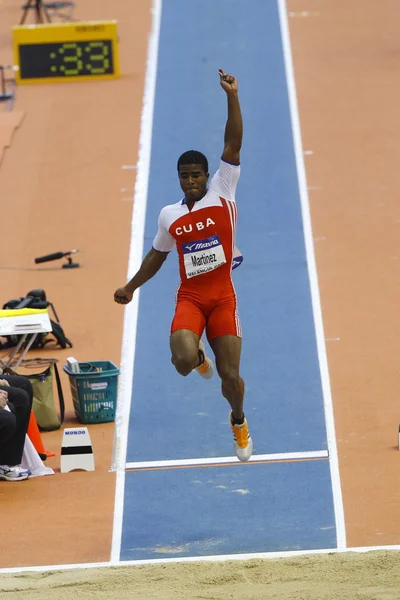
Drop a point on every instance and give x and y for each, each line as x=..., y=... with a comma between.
x=279, y=507
x=284, y=403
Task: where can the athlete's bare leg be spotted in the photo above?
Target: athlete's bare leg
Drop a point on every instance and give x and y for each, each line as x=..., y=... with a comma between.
x=185, y=350
x=227, y=350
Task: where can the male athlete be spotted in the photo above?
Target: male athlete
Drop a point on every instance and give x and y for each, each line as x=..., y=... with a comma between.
x=202, y=226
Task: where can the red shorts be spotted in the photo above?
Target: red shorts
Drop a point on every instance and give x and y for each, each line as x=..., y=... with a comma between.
x=218, y=318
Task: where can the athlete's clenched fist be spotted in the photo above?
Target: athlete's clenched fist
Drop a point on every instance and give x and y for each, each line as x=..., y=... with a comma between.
x=228, y=82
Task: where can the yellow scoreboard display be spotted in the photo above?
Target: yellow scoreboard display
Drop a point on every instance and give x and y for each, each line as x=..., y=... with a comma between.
x=66, y=52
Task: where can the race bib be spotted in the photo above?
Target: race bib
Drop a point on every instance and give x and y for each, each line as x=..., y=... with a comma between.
x=203, y=256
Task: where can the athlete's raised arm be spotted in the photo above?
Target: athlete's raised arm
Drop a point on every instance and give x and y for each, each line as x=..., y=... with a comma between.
x=234, y=124
x=151, y=264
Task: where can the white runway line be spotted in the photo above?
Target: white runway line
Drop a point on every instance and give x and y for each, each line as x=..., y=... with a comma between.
x=135, y=258
x=189, y=462
x=312, y=270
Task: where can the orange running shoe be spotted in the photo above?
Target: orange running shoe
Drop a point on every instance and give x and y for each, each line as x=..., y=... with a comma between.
x=242, y=442
x=206, y=369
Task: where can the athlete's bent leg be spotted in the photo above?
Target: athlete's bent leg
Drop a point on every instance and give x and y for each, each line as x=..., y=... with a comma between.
x=227, y=350
x=186, y=329
x=185, y=350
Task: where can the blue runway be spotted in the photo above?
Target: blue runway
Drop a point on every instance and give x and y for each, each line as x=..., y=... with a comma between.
x=227, y=510
x=287, y=506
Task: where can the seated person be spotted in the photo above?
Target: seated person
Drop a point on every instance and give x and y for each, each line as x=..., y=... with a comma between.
x=16, y=397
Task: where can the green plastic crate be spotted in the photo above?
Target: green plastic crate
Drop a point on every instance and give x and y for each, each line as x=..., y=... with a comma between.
x=94, y=391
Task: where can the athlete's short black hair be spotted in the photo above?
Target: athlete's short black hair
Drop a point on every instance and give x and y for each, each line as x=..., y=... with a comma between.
x=193, y=157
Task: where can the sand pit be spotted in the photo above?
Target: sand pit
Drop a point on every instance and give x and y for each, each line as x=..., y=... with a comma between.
x=348, y=576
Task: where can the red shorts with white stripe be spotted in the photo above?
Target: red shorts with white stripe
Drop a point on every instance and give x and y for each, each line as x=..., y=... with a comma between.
x=218, y=318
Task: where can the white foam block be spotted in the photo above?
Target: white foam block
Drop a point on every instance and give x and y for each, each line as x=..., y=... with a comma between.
x=76, y=450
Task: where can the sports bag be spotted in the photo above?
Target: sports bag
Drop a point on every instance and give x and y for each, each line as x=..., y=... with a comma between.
x=44, y=405
x=37, y=299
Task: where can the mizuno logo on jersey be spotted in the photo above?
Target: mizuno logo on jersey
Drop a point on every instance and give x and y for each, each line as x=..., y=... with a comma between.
x=201, y=245
x=189, y=228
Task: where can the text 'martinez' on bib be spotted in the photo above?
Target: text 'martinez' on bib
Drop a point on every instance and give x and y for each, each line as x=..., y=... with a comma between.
x=203, y=256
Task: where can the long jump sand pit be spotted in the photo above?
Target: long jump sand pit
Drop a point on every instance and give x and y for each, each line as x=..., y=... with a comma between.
x=371, y=575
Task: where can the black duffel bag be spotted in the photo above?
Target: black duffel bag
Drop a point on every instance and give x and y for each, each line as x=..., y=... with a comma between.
x=37, y=299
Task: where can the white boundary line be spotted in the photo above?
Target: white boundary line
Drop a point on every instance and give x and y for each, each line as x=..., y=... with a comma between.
x=312, y=270
x=194, y=559
x=189, y=462
x=135, y=259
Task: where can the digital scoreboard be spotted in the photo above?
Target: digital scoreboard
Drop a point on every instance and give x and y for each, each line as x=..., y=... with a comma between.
x=79, y=51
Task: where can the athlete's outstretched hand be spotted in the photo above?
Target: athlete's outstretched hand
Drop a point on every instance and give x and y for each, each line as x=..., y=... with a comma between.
x=228, y=82
x=122, y=296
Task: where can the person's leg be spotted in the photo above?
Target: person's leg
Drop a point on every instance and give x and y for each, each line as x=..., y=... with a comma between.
x=8, y=424
x=224, y=335
x=227, y=350
x=186, y=329
x=184, y=346
x=21, y=405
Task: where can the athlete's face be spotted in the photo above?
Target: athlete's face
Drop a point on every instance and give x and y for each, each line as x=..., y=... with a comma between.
x=193, y=181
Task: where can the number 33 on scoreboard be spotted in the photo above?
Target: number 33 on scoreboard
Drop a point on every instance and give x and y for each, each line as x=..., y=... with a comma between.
x=66, y=52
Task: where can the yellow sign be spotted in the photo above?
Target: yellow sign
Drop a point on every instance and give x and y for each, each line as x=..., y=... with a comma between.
x=20, y=312
x=66, y=52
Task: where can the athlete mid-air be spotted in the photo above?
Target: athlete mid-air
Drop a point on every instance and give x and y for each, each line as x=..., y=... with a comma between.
x=202, y=226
